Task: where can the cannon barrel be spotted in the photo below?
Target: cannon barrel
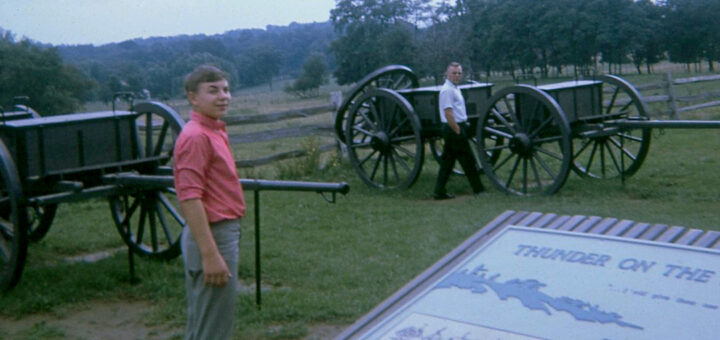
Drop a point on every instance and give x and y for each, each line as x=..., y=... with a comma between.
x=259, y=184
x=133, y=179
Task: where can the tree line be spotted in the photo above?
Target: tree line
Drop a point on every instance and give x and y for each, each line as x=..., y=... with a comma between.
x=542, y=37
x=523, y=36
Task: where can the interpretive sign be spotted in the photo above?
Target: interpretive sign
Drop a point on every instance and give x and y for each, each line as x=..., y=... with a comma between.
x=530, y=283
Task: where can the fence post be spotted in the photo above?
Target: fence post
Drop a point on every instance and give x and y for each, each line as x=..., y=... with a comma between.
x=336, y=98
x=672, y=100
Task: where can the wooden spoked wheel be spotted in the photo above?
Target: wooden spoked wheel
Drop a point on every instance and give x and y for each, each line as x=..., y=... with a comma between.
x=13, y=226
x=602, y=152
x=529, y=133
x=39, y=220
x=393, y=77
x=384, y=141
x=149, y=221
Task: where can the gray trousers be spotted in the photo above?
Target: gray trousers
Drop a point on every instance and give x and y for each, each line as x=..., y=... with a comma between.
x=211, y=309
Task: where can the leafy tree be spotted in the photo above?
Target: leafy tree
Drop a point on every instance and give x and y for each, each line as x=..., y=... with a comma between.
x=615, y=31
x=373, y=33
x=311, y=77
x=39, y=73
x=259, y=65
x=692, y=28
x=646, y=45
x=447, y=38
x=685, y=32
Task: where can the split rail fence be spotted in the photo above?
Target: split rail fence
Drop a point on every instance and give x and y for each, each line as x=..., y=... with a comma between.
x=678, y=103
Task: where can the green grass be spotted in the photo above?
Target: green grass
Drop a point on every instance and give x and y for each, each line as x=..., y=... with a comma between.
x=331, y=263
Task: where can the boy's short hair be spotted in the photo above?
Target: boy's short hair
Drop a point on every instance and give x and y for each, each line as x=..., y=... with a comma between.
x=203, y=74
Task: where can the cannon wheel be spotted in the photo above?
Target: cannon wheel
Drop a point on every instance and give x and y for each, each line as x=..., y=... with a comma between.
x=529, y=133
x=13, y=226
x=384, y=141
x=39, y=221
x=612, y=153
x=149, y=220
x=394, y=77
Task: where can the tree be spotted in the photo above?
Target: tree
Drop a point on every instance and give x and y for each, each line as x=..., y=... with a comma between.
x=259, y=65
x=311, y=77
x=685, y=30
x=692, y=28
x=29, y=70
x=373, y=33
x=646, y=45
x=447, y=38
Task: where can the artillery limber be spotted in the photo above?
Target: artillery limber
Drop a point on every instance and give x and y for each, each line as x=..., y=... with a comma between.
x=124, y=156
x=526, y=139
x=45, y=161
x=386, y=120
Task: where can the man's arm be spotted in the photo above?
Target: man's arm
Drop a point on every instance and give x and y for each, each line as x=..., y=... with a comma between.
x=451, y=120
x=215, y=269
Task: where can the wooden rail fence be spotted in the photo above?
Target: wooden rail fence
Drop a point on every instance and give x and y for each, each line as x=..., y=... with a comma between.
x=673, y=101
x=270, y=135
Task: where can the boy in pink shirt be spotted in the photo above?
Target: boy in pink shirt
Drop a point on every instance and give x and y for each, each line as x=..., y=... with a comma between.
x=212, y=202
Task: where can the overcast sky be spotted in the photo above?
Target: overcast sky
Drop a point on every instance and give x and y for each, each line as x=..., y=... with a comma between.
x=105, y=21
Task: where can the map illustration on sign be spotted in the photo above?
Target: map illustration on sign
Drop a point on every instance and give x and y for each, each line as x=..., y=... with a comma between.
x=528, y=283
x=529, y=294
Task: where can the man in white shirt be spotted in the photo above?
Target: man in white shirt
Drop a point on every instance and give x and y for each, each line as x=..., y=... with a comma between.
x=455, y=134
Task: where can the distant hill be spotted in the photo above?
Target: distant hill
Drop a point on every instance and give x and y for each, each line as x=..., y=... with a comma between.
x=251, y=56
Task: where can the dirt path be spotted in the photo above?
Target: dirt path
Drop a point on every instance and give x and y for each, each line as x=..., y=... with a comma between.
x=97, y=320
x=121, y=320
x=111, y=321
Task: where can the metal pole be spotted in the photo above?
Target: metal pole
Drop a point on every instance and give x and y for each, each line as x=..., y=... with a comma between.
x=258, y=293
x=131, y=261
x=622, y=160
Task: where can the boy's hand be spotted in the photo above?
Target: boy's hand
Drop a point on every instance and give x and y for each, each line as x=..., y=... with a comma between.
x=216, y=272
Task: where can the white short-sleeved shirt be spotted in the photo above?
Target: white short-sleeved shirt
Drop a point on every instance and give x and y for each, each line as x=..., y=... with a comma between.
x=451, y=97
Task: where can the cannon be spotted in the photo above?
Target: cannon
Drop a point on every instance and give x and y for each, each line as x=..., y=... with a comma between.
x=526, y=138
x=123, y=156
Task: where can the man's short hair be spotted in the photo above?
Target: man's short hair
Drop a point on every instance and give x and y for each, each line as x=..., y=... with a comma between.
x=453, y=64
x=203, y=74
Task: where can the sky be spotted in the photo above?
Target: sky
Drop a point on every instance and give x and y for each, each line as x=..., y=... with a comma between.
x=72, y=22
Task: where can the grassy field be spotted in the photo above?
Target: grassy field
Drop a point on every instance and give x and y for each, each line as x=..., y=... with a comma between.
x=328, y=264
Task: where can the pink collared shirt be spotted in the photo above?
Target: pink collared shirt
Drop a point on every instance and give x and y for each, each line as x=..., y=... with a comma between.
x=205, y=168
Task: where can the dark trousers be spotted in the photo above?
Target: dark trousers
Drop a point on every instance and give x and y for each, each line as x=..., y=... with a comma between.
x=457, y=148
